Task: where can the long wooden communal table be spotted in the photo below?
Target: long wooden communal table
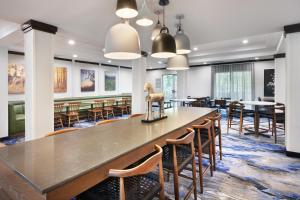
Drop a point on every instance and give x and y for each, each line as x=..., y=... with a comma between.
x=63, y=166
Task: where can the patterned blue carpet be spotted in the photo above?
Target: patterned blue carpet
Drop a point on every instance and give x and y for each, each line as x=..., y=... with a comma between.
x=252, y=168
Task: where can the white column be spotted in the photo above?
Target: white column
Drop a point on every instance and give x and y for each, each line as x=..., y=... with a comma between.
x=292, y=91
x=3, y=92
x=280, y=78
x=138, y=81
x=182, y=84
x=39, y=94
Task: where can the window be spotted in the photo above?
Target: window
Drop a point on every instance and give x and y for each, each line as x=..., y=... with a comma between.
x=235, y=81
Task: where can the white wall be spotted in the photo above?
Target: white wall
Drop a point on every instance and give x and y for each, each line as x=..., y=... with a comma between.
x=199, y=79
x=280, y=80
x=259, y=68
x=199, y=82
x=123, y=79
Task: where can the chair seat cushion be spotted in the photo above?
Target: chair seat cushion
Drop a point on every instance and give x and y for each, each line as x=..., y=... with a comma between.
x=183, y=153
x=136, y=188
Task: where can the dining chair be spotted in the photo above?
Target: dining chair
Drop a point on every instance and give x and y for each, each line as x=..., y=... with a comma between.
x=177, y=155
x=96, y=111
x=2, y=145
x=203, y=144
x=108, y=121
x=109, y=108
x=122, y=107
x=128, y=103
x=237, y=111
x=72, y=114
x=58, y=118
x=134, y=183
x=66, y=130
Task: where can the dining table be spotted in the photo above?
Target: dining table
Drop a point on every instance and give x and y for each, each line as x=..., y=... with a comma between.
x=183, y=102
x=62, y=166
x=257, y=105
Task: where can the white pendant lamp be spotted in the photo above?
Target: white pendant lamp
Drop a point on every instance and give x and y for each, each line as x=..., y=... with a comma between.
x=126, y=9
x=158, y=26
x=183, y=45
x=145, y=16
x=179, y=62
x=122, y=43
x=164, y=45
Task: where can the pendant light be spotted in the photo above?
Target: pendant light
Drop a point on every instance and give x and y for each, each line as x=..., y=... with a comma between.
x=164, y=45
x=122, y=42
x=145, y=15
x=183, y=45
x=179, y=62
x=126, y=9
x=157, y=27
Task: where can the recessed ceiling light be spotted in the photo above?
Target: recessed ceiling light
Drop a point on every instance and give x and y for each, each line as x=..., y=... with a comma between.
x=204, y=63
x=256, y=58
x=109, y=61
x=71, y=42
x=195, y=48
x=75, y=55
x=160, y=62
x=103, y=49
x=245, y=41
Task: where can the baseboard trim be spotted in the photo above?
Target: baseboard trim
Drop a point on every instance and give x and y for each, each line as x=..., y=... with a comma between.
x=293, y=154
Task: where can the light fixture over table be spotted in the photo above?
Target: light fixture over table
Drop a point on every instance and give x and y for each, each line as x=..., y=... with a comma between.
x=164, y=45
x=158, y=26
x=183, y=45
x=145, y=16
x=179, y=62
x=126, y=9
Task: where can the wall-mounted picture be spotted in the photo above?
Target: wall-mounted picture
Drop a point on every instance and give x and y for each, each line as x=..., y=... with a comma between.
x=87, y=78
x=60, y=79
x=158, y=83
x=269, y=82
x=16, y=79
x=110, y=81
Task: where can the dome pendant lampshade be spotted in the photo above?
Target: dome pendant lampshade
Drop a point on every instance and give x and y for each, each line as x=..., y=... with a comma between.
x=164, y=45
x=183, y=45
x=126, y=9
x=145, y=15
x=156, y=30
x=122, y=43
x=182, y=41
x=179, y=62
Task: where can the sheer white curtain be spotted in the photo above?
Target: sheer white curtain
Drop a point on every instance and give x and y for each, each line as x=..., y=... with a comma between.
x=235, y=81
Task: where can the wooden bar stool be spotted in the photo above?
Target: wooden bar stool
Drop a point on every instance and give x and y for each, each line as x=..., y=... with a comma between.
x=216, y=132
x=73, y=113
x=66, y=130
x=202, y=142
x=137, y=183
x=97, y=110
x=109, y=108
x=58, y=108
x=177, y=155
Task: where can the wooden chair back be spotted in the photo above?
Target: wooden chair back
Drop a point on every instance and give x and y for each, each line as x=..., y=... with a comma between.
x=98, y=103
x=144, y=168
x=135, y=115
x=220, y=102
x=74, y=106
x=216, y=118
x=235, y=106
x=61, y=131
x=108, y=121
x=110, y=102
x=187, y=139
x=58, y=107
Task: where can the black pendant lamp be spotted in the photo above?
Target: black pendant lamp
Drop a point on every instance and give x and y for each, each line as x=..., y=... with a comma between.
x=164, y=45
x=126, y=9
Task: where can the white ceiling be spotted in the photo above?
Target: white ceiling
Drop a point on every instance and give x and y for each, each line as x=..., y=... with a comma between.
x=216, y=27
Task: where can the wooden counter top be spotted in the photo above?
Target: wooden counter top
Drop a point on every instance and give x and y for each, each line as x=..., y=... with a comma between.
x=50, y=162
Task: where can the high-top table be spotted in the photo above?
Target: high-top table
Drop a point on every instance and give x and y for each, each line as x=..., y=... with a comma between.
x=257, y=104
x=183, y=101
x=63, y=166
